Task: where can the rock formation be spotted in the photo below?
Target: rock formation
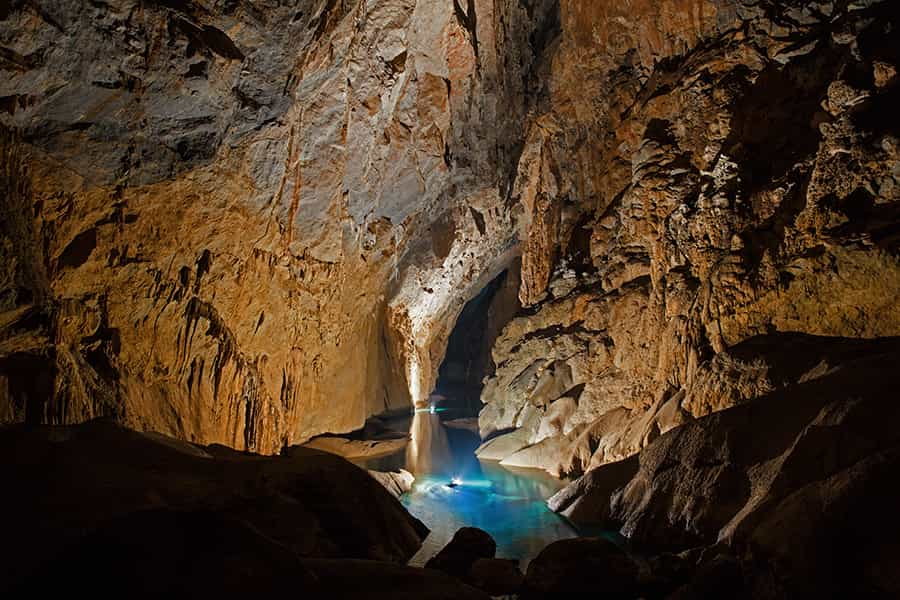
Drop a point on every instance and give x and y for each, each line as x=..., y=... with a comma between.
x=470, y=557
x=246, y=224
x=705, y=175
x=100, y=480
x=396, y=482
x=579, y=567
x=798, y=484
x=255, y=224
x=252, y=223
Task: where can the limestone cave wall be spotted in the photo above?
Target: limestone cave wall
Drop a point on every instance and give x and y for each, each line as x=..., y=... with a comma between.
x=251, y=222
x=254, y=222
x=710, y=179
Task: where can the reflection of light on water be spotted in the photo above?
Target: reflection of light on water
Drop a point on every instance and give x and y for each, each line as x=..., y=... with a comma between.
x=455, y=490
x=431, y=410
x=428, y=450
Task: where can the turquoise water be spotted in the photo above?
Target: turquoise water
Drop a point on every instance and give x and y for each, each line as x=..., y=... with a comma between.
x=508, y=505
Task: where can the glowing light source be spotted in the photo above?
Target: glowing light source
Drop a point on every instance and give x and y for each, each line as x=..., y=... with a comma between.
x=431, y=410
x=456, y=481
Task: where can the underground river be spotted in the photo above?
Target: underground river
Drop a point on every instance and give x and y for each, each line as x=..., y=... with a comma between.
x=453, y=489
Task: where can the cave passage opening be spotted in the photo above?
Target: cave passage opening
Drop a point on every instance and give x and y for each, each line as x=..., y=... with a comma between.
x=452, y=487
x=467, y=360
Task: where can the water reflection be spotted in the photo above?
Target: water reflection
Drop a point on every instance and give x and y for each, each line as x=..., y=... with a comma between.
x=510, y=505
x=429, y=448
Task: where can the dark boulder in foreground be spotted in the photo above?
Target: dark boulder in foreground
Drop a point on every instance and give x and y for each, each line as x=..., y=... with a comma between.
x=496, y=576
x=370, y=580
x=457, y=557
x=146, y=510
x=799, y=486
x=582, y=567
x=163, y=553
x=469, y=556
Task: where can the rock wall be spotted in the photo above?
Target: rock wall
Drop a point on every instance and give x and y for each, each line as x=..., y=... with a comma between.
x=707, y=175
x=251, y=223
x=794, y=488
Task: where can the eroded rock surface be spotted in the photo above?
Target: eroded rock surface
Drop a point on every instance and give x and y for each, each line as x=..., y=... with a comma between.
x=705, y=173
x=252, y=223
x=798, y=486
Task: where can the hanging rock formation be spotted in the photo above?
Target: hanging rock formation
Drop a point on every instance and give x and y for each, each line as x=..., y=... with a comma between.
x=245, y=224
x=707, y=177
x=251, y=223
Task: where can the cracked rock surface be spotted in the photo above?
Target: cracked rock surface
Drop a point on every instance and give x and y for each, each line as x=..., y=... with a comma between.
x=706, y=178
x=254, y=223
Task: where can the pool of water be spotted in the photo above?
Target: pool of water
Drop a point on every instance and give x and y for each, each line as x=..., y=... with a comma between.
x=508, y=504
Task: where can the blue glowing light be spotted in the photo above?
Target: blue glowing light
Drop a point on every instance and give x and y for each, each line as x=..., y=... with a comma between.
x=431, y=410
x=509, y=506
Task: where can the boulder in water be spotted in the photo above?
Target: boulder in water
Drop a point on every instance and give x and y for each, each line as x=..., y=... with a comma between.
x=396, y=482
x=468, y=545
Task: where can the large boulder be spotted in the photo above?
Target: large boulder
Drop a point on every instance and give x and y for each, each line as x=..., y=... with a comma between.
x=582, y=567
x=585, y=501
x=800, y=483
x=717, y=575
x=496, y=576
x=457, y=557
x=396, y=482
x=177, y=554
x=101, y=481
x=712, y=478
x=169, y=553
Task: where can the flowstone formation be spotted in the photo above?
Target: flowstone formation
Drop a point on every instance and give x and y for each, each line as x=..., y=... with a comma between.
x=707, y=177
x=246, y=224
x=251, y=223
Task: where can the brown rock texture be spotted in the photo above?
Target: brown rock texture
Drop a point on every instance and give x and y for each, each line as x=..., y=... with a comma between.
x=702, y=174
x=798, y=485
x=251, y=223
